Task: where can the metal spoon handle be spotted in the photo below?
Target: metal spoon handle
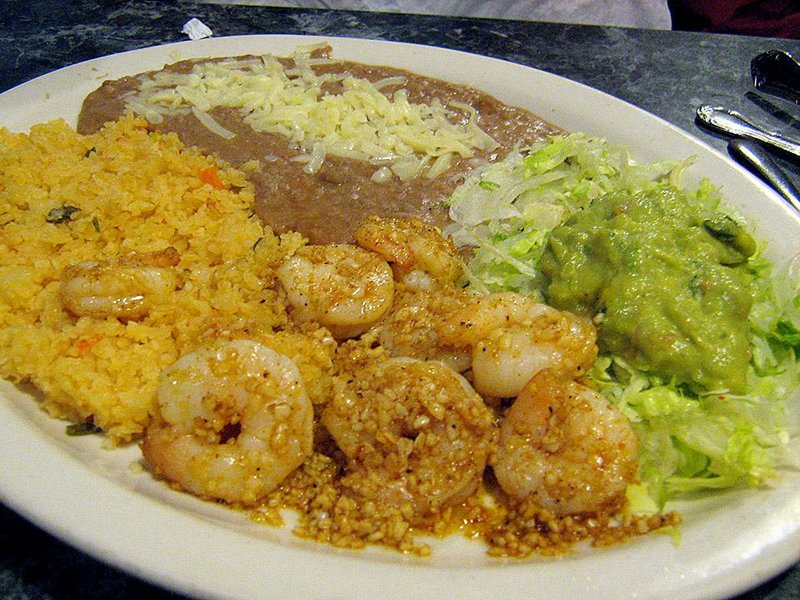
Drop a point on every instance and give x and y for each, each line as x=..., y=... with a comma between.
x=757, y=159
x=733, y=123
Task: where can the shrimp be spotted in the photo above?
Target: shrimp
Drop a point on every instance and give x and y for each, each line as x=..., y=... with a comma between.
x=419, y=254
x=344, y=288
x=234, y=422
x=514, y=336
x=566, y=447
x=415, y=433
x=409, y=329
x=126, y=287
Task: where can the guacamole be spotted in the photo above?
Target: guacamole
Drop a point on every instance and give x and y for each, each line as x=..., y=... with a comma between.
x=666, y=280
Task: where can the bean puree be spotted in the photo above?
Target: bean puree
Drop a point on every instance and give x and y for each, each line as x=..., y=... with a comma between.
x=326, y=205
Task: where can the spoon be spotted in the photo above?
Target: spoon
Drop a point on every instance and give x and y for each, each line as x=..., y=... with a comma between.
x=777, y=72
x=756, y=158
x=734, y=123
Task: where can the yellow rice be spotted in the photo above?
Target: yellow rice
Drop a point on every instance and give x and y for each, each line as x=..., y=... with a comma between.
x=137, y=191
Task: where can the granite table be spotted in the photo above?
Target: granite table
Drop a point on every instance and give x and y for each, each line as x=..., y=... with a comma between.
x=666, y=73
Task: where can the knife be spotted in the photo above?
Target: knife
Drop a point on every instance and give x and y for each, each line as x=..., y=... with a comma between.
x=753, y=156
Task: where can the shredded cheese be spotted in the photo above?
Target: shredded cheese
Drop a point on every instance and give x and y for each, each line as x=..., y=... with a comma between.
x=356, y=121
x=211, y=124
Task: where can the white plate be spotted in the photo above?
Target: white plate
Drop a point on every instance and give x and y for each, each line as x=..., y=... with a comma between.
x=95, y=499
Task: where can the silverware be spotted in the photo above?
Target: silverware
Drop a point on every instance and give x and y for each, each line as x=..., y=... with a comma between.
x=734, y=123
x=753, y=156
x=777, y=72
x=778, y=109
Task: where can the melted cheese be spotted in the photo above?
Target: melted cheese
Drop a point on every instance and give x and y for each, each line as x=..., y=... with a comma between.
x=356, y=121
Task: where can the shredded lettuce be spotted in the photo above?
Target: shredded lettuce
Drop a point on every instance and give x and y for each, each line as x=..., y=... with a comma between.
x=507, y=210
x=690, y=441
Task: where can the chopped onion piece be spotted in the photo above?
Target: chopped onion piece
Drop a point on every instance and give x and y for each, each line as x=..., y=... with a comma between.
x=382, y=175
x=316, y=159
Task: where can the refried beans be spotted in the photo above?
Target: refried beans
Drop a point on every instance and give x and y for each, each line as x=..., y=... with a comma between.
x=325, y=206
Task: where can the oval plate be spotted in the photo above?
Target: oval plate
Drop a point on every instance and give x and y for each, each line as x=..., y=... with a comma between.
x=102, y=502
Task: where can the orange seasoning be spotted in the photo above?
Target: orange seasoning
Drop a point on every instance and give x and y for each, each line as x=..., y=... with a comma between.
x=211, y=177
x=82, y=346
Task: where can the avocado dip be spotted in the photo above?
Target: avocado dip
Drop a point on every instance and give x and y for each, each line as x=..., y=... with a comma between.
x=666, y=280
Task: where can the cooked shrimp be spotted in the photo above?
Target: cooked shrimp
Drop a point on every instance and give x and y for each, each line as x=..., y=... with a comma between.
x=126, y=287
x=409, y=329
x=513, y=337
x=234, y=422
x=419, y=254
x=415, y=433
x=344, y=288
x=566, y=447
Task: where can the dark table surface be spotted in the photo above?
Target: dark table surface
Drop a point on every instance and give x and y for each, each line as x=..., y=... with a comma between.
x=666, y=73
